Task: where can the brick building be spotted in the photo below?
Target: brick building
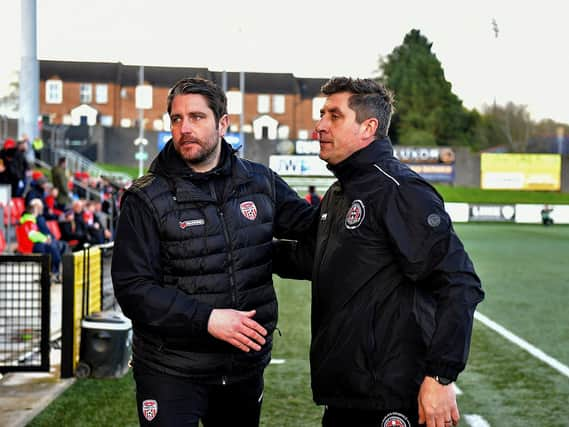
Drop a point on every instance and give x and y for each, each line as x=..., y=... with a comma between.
x=276, y=105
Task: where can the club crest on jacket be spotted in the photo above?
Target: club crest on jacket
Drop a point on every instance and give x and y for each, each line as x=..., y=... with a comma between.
x=149, y=409
x=395, y=419
x=249, y=210
x=355, y=215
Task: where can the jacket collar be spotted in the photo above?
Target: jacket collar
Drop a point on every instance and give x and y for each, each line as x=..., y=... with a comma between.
x=360, y=160
x=186, y=184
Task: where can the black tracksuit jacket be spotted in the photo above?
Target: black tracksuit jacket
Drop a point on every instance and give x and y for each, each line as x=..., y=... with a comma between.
x=190, y=242
x=393, y=290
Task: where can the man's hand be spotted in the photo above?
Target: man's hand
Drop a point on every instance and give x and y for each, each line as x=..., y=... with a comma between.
x=437, y=404
x=237, y=328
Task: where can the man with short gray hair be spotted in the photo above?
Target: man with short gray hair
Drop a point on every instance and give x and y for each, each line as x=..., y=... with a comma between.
x=393, y=290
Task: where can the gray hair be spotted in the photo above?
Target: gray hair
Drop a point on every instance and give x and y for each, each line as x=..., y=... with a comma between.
x=368, y=99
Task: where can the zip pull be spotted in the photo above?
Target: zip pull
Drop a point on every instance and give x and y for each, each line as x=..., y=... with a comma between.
x=279, y=331
x=224, y=380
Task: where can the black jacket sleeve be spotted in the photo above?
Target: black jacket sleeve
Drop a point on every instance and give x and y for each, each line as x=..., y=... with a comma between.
x=296, y=225
x=136, y=274
x=294, y=216
x=432, y=256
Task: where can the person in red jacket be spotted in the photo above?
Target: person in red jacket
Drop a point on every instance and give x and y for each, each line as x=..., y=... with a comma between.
x=32, y=240
x=312, y=196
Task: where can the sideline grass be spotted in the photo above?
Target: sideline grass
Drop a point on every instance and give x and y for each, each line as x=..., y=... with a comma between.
x=524, y=274
x=477, y=195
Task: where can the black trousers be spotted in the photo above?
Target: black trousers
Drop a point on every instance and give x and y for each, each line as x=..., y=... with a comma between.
x=342, y=417
x=165, y=400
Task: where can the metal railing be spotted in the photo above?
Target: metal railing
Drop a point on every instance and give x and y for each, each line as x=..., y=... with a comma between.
x=25, y=308
x=78, y=163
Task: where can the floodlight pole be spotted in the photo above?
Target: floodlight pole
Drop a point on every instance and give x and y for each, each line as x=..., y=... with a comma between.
x=29, y=76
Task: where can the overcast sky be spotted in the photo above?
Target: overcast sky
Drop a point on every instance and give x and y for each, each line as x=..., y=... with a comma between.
x=528, y=63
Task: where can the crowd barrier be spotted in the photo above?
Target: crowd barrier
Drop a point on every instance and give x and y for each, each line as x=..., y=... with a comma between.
x=87, y=288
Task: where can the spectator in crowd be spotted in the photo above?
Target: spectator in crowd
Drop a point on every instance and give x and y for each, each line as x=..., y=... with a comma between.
x=51, y=204
x=60, y=181
x=22, y=166
x=97, y=228
x=312, y=197
x=42, y=223
x=39, y=189
x=80, y=185
x=37, y=145
x=83, y=226
x=546, y=215
x=35, y=241
x=9, y=173
x=71, y=232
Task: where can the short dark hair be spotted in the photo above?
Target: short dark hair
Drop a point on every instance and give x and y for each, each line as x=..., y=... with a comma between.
x=61, y=160
x=368, y=99
x=216, y=99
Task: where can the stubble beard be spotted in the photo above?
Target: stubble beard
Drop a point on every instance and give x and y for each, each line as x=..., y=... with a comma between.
x=204, y=155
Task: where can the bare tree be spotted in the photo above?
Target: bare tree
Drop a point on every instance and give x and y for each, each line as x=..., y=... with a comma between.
x=515, y=124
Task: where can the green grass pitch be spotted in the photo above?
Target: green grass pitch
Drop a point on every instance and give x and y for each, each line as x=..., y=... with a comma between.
x=524, y=270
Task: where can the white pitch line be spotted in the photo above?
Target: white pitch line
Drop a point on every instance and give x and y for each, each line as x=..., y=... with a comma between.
x=277, y=361
x=457, y=391
x=531, y=349
x=476, y=421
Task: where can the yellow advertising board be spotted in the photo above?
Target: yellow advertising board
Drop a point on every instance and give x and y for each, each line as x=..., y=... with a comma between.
x=517, y=171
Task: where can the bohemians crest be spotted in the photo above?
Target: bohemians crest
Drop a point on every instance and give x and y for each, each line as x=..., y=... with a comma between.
x=355, y=215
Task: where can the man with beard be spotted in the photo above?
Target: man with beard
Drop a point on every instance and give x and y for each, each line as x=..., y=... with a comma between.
x=192, y=268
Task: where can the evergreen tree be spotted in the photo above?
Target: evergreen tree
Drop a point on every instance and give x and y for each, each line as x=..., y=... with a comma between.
x=427, y=112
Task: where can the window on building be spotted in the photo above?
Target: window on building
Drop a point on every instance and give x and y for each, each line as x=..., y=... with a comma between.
x=53, y=92
x=283, y=132
x=101, y=94
x=106, y=121
x=234, y=102
x=317, y=104
x=278, y=104
x=85, y=93
x=263, y=103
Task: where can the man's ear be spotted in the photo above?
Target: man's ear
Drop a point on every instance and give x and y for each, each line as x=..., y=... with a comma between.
x=223, y=124
x=370, y=127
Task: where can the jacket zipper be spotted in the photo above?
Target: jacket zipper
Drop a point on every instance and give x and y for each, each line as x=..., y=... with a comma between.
x=231, y=270
x=319, y=257
x=372, y=346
